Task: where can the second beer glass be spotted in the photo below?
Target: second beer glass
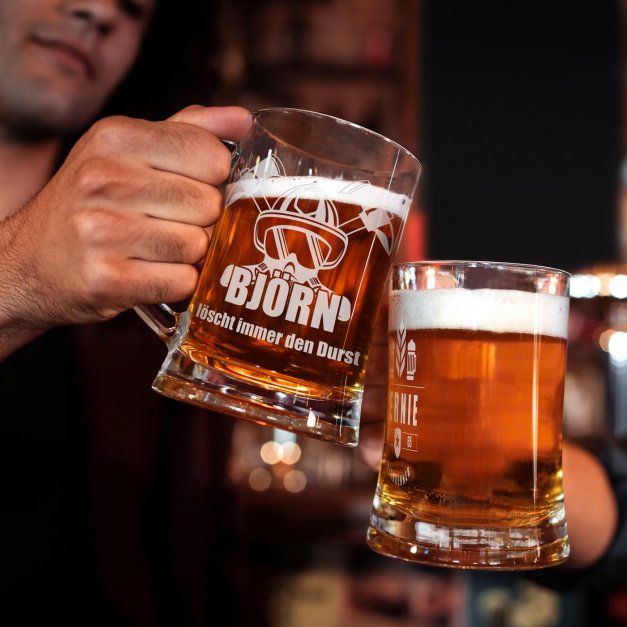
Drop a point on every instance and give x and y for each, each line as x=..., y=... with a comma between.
x=279, y=328
x=471, y=475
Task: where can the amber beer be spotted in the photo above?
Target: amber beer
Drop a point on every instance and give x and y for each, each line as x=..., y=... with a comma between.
x=292, y=285
x=472, y=452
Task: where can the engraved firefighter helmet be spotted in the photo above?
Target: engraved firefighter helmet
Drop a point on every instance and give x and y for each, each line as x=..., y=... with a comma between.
x=303, y=224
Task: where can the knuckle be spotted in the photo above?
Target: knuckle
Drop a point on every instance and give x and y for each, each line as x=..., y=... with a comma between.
x=193, y=108
x=95, y=226
x=101, y=283
x=112, y=131
x=94, y=175
x=183, y=114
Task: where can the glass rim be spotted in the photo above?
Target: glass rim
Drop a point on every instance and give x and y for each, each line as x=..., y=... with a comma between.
x=469, y=263
x=357, y=127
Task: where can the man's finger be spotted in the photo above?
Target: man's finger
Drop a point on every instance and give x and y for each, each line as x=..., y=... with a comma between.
x=225, y=122
x=179, y=148
x=136, y=281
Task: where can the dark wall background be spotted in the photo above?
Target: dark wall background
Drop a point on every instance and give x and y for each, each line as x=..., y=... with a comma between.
x=522, y=130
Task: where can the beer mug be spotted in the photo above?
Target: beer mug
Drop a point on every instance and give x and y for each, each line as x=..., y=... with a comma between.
x=278, y=329
x=471, y=474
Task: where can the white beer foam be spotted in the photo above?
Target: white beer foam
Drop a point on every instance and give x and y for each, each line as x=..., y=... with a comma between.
x=501, y=311
x=338, y=190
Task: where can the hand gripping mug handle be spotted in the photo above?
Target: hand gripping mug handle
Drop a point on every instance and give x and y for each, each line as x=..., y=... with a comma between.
x=162, y=319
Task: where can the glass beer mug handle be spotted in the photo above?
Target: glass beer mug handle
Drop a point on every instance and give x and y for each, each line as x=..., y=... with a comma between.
x=160, y=318
x=234, y=148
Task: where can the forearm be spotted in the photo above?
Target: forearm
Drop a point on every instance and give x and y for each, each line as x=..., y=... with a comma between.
x=13, y=336
x=17, y=327
x=591, y=508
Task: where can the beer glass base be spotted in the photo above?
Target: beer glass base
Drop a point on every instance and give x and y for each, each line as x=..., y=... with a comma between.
x=398, y=534
x=185, y=380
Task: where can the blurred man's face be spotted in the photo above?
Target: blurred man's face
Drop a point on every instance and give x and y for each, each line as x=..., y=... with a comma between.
x=60, y=60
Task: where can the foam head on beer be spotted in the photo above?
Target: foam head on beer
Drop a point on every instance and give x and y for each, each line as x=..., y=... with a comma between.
x=314, y=187
x=494, y=310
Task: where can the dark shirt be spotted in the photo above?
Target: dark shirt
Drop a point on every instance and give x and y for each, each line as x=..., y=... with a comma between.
x=610, y=572
x=116, y=498
x=612, y=568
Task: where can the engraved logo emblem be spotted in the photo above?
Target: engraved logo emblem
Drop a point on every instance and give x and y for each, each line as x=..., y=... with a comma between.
x=300, y=233
x=404, y=354
x=400, y=354
x=397, y=442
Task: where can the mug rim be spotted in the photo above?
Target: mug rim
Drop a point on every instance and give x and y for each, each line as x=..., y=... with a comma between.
x=496, y=265
x=316, y=114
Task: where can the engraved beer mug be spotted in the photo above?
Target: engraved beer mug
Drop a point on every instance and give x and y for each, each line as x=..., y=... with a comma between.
x=279, y=327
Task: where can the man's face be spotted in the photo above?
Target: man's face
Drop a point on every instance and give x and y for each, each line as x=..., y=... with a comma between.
x=60, y=60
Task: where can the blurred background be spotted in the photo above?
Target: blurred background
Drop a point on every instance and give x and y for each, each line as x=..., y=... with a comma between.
x=176, y=517
x=518, y=114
